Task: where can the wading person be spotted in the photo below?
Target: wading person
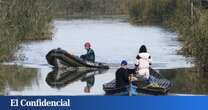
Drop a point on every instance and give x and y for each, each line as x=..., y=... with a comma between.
x=143, y=62
x=90, y=55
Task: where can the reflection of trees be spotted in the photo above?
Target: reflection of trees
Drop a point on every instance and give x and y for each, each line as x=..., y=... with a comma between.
x=16, y=77
x=187, y=80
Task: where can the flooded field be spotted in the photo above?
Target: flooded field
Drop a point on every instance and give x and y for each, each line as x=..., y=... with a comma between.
x=112, y=41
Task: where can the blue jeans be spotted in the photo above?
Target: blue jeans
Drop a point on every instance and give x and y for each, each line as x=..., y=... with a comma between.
x=133, y=89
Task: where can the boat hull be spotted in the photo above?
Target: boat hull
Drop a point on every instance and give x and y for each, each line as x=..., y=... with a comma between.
x=163, y=86
x=61, y=59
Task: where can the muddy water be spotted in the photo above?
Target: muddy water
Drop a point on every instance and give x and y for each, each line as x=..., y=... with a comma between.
x=112, y=41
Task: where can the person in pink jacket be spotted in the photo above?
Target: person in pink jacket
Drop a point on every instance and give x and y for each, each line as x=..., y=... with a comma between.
x=143, y=62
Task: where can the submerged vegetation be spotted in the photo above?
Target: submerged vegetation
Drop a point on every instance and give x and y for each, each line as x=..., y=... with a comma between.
x=189, y=18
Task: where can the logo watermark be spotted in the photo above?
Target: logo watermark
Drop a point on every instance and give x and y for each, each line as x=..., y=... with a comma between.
x=40, y=103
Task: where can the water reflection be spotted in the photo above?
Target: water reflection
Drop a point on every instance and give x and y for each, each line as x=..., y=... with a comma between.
x=90, y=81
x=59, y=78
x=187, y=80
x=15, y=78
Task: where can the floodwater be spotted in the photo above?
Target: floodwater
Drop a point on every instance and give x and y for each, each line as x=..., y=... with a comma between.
x=112, y=41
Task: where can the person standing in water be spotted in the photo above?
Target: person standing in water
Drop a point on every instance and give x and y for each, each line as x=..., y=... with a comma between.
x=143, y=62
x=90, y=55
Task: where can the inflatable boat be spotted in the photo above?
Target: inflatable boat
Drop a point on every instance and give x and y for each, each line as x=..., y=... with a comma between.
x=60, y=58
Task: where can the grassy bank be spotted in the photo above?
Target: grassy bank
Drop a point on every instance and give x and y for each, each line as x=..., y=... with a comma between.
x=22, y=20
x=189, y=18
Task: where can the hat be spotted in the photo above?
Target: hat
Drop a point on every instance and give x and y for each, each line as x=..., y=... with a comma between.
x=124, y=62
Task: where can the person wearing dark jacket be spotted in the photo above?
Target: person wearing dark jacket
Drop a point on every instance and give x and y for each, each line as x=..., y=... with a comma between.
x=122, y=75
x=90, y=55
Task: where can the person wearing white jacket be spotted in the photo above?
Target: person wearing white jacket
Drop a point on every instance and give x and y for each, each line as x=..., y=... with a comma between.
x=143, y=62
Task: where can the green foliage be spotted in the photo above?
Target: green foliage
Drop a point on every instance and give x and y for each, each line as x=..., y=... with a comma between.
x=198, y=40
x=151, y=11
x=22, y=20
x=70, y=8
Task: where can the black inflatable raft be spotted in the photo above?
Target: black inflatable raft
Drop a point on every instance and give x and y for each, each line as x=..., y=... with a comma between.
x=160, y=86
x=60, y=58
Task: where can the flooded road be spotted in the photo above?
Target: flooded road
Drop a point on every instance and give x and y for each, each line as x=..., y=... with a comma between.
x=112, y=41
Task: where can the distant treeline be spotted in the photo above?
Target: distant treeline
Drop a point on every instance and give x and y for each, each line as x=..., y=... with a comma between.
x=189, y=18
x=70, y=8
x=22, y=20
